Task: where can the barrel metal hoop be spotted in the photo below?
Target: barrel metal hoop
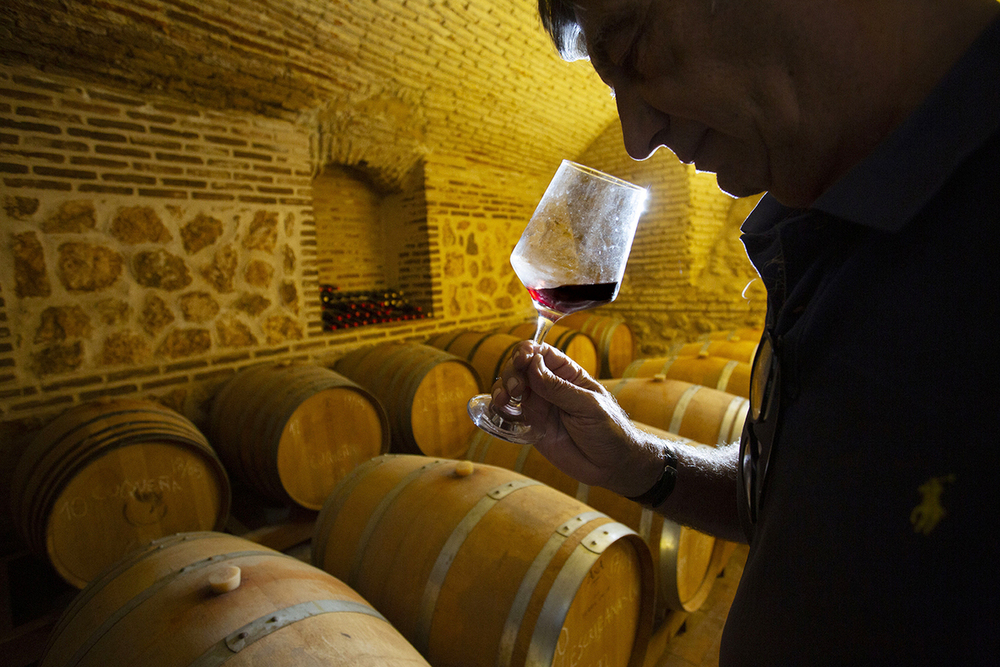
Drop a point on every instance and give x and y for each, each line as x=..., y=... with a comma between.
x=106, y=577
x=155, y=588
x=728, y=420
x=376, y=517
x=334, y=503
x=670, y=542
x=522, y=456
x=475, y=348
x=518, y=607
x=619, y=386
x=236, y=641
x=646, y=524
x=58, y=436
x=552, y=617
x=447, y=346
x=682, y=404
x=667, y=363
x=725, y=374
x=741, y=417
x=504, y=490
x=450, y=549
x=96, y=440
x=503, y=356
x=479, y=446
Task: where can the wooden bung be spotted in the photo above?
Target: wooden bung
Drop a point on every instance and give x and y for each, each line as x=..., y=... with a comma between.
x=205, y=598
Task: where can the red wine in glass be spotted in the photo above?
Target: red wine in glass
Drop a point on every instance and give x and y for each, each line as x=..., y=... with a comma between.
x=566, y=299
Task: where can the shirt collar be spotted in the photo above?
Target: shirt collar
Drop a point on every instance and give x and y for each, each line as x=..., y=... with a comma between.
x=959, y=115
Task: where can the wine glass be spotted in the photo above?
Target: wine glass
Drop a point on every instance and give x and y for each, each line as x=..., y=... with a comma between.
x=570, y=257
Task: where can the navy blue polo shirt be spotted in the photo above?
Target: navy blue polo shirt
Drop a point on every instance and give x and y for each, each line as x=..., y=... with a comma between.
x=877, y=536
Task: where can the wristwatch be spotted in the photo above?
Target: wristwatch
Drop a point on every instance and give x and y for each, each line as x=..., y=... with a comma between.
x=663, y=486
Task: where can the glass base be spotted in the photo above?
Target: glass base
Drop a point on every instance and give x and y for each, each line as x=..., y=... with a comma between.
x=485, y=417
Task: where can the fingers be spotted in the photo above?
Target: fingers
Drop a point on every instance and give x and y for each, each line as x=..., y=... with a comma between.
x=517, y=374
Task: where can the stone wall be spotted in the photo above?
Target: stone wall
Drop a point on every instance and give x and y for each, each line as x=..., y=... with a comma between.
x=149, y=249
x=139, y=236
x=477, y=212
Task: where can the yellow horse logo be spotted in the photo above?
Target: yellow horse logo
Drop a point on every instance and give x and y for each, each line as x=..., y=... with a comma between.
x=929, y=512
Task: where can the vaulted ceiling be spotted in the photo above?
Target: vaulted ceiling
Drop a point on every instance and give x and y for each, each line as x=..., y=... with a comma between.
x=476, y=77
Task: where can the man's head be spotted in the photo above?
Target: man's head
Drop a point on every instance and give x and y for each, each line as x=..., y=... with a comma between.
x=778, y=95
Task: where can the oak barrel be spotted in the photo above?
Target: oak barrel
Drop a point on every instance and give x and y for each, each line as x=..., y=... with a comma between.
x=612, y=336
x=106, y=477
x=740, y=333
x=292, y=432
x=728, y=375
x=682, y=557
x=424, y=391
x=739, y=349
x=201, y=599
x=575, y=344
x=705, y=415
x=479, y=566
x=487, y=352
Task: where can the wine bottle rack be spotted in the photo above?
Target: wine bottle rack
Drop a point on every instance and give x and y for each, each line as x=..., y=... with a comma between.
x=358, y=308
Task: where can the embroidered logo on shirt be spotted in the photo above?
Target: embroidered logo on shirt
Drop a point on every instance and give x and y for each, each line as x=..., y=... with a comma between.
x=929, y=512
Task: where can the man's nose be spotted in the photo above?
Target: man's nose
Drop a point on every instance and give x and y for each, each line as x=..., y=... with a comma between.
x=640, y=122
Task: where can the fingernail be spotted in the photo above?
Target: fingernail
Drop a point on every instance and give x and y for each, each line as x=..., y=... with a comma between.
x=511, y=385
x=496, y=393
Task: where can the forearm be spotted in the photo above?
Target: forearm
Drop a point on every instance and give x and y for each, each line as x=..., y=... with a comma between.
x=704, y=494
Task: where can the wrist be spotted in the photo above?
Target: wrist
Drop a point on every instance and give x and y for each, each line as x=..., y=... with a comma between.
x=666, y=478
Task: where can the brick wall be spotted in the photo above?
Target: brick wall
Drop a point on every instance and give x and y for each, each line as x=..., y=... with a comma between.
x=386, y=80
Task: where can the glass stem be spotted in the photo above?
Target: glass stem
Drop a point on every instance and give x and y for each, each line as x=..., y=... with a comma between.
x=513, y=407
x=542, y=327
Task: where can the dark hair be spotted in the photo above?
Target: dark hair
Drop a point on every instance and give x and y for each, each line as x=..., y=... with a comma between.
x=559, y=20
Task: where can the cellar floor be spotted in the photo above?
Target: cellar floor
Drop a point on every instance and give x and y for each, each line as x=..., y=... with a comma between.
x=697, y=643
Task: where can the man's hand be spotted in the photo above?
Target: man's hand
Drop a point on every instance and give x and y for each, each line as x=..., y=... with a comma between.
x=583, y=430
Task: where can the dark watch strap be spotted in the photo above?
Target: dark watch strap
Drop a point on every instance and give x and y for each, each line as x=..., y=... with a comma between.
x=663, y=486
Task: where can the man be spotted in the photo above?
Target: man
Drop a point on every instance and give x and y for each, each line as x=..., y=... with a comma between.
x=865, y=479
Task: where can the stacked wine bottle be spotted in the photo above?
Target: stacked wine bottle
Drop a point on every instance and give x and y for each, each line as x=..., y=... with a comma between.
x=347, y=309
